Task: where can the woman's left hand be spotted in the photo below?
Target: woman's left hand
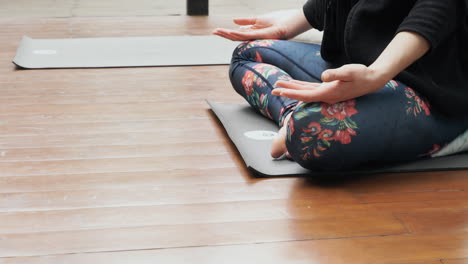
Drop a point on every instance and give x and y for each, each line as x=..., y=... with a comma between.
x=341, y=84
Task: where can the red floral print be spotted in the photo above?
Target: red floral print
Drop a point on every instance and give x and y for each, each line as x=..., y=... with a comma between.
x=263, y=106
x=258, y=58
x=247, y=82
x=339, y=110
x=423, y=105
x=259, y=82
x=326, y=134
x=257, y=78
x=409, y=92
x=344, y=136
x=416, y=104
x=261, y=43
x=313, y=128
x=255, y=43
x=316, y=153
x=335, y=126
x=265, y=68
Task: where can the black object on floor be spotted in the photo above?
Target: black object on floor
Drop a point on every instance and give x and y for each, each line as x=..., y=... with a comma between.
x=197, y=7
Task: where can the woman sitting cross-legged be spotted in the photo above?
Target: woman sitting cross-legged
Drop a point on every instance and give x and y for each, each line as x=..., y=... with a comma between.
x=388, y=84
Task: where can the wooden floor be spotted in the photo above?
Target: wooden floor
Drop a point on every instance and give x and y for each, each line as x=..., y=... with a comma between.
x=130, y=166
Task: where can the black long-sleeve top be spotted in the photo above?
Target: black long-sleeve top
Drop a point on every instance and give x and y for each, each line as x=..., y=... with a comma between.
x=357, y=31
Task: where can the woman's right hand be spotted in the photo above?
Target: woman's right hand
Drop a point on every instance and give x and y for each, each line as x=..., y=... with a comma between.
x=276, y=25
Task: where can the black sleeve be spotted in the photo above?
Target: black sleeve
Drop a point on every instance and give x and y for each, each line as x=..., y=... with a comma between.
x=432, y=19
x=314, y=11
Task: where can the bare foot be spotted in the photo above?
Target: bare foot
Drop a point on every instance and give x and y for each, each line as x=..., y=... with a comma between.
x=278, y=146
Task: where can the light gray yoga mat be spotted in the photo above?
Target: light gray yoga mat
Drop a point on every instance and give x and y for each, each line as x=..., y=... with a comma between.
x=252, y=134
x=123, y=52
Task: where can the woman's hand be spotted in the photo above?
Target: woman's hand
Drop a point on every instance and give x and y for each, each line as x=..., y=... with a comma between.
x=341, y=84
x=277, y=25
x=354, y=80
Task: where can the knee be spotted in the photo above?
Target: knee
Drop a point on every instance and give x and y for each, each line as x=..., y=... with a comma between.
x=242, y=55
x=237, y=58
x=237, y=68
x=248, y=50
x=239, y=51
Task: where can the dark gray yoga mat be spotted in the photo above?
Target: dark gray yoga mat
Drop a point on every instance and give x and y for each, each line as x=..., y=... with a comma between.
x=252, y=134
x=123, y=52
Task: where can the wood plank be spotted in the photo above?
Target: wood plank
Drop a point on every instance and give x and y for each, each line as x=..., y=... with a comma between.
x=167, y=194
x=148, y=26
x=38, y=8
x=415, y=196
x=176, y=136
x=134, y=216
x=113, y=151
x=117, y=97
x=172, y=236
x=383, y=187
x=135, y=114
x=182, y=107
x=24, y=129
x=112, y=27
x=438, y=261
x=123, y=180
x=398, y=208
x=455, y=261
x=408, y=182
x=103, y=117
x=125, y=8
x=436, y=221
x=65, y=81
x=414, y=206
x=28, y=168
x=211, y=212
x=366, y=250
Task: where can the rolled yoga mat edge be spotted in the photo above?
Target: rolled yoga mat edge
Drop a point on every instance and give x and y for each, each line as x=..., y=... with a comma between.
x=252, y=135
x=123, y=52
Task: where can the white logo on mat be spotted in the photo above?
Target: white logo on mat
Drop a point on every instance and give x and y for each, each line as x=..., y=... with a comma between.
x=261, y=135
x=45, y=52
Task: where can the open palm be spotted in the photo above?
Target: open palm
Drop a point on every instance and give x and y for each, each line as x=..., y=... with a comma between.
x=344, y=83
x=269, y=26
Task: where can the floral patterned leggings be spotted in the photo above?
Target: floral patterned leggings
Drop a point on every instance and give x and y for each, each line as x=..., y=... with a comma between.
x=394, y=124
